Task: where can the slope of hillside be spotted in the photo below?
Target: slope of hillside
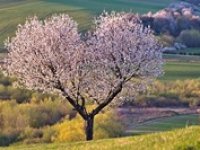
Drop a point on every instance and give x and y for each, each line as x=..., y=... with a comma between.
x=182, y=139
x=13, y=12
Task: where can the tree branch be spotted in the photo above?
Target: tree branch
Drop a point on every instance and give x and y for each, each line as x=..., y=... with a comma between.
x=112, y=94
x=80, y=109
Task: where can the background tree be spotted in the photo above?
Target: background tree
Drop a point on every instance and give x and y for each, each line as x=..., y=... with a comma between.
x=118, y=58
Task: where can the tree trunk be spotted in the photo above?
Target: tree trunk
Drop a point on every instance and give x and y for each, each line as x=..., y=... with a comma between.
x=89, y=128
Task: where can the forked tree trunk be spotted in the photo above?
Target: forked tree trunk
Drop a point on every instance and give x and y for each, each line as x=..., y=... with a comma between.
x=89, y=128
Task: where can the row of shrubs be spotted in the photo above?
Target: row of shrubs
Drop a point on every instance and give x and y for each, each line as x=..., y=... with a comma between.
x=16, y=118
x=21, y=95
x=190, y=38
x=161, y=94
x=183, y=93
x=50, y=121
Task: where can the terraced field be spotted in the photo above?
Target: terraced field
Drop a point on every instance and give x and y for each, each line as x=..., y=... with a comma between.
x=181, y=70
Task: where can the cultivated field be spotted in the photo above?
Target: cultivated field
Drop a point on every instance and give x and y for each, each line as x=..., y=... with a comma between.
x=181, y=70
x=13, y=12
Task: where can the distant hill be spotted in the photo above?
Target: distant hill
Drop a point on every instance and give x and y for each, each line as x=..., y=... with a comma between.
x=13, y=12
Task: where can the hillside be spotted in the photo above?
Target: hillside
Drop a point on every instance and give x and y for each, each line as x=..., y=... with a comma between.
x=13, y=12
x=182, y=139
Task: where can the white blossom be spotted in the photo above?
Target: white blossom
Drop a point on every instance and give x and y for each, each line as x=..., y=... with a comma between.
x=116, y=59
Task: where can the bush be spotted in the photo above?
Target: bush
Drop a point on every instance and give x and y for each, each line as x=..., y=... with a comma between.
x=184, y=93
x=106, y=125
x=48, y=134
x=20, y=95
x=5, y=81
x=191, y=38
x=47, y=112
x=31, y=135
x=8, y=137
x=13, y=116
x=180, y=93
x=166, y=40
x=70, y=130
x=24, y=119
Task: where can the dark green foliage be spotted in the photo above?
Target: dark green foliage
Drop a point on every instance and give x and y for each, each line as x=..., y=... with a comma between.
x=191, y=38
x=7, y=138
x=6, y=81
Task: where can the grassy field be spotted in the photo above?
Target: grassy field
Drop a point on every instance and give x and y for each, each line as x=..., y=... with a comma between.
x=180, y=70
x=13, y=12
x=164, y=124
x=182, y=139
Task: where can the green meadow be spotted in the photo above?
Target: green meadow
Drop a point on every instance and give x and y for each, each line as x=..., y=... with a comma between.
x=181, y=70
x=164, y=124
x=181, y=139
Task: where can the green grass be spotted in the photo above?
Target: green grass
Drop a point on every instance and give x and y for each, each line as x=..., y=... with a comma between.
x=181, y=71
x=165, y=124
x=13, y=12
x=182, y=139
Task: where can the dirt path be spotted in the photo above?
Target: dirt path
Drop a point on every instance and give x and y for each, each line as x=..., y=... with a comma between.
x=139, y=115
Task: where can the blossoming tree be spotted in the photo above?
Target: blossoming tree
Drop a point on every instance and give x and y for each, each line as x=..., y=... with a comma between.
x=114, y=60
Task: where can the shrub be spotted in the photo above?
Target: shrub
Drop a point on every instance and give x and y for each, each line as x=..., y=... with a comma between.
x=31, y=135
x=5, y=81
x=70, y=130
x=13, y=116
x=8, y=137
x=26, y=118
x=166, y=40
x=20, y=95
x=47, y=112
x=191, y=38
x=186, y=93
x=180, y=93
x=48, y=134
x=106, y=125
